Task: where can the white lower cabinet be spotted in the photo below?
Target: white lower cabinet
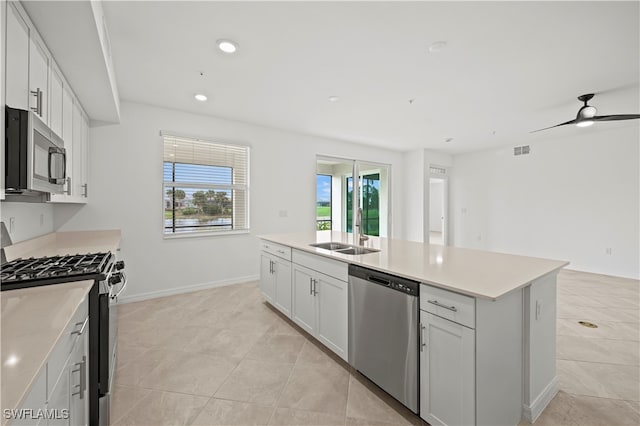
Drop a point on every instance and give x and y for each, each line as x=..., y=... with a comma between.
x=447, y=377
x=59, y=395
x=320, y=307
x=275, y=276
x=275, y=282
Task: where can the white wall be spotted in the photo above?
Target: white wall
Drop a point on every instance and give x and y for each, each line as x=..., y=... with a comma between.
x=414, y=193
x=30, y=219
x=125, y=172
x=571, y=198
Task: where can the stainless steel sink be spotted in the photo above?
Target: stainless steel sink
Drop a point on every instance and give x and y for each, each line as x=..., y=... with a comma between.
x=331, y=246
x=354, y=250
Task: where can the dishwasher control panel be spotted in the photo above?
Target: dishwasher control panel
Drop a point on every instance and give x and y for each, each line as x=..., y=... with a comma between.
x=386, y=280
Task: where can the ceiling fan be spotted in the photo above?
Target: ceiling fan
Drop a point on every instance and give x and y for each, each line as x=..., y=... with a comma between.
x=587, y=115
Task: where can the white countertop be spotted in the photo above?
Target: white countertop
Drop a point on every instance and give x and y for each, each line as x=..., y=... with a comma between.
x=33, y=319
x=473, y=272
x=60, y=243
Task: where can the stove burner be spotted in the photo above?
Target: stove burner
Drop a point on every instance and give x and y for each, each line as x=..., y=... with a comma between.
x=20, y=272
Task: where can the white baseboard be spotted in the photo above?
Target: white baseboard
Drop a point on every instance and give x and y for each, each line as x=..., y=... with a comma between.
x=185, y=289
x=531, y=413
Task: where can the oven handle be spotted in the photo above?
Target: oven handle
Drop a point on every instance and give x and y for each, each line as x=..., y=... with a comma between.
x=124, y=284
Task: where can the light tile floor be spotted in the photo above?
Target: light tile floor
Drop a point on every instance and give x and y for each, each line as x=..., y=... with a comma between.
x=222, y=356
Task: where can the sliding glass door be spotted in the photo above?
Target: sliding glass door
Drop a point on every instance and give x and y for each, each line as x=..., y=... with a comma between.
x=337, y=204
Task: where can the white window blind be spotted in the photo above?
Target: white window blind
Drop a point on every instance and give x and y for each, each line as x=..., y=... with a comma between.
x=206, y=186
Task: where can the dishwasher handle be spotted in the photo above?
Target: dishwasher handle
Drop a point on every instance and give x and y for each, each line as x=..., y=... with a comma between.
x=380, y=280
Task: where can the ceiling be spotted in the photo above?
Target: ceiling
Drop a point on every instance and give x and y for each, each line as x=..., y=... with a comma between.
x=508, y=67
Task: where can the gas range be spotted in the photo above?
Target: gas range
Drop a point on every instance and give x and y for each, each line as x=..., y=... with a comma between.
x=22, y=273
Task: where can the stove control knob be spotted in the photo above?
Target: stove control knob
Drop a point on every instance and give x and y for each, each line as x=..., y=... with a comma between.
x=115, y=279
x=119, y=265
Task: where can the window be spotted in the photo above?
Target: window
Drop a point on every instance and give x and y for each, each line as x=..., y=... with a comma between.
x=206, y=186
x=323, y=202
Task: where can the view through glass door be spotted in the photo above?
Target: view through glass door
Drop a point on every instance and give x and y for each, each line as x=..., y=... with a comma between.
x=335, y=208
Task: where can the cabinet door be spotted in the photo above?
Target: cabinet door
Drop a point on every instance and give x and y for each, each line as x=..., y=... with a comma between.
x=39, y=79
x=283, y=286
x=267, y=278
x=77, y=183
x=332, y=301
x=55, y=99
x=79, y=397
x=58, y=401
x=17, y=60
x=35, y=400
x=85, y=157
x=447, y=372
x=303, y=309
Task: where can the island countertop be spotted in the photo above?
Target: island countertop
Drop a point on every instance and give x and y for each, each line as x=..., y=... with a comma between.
x=33, y=320
x=61, y=243
x=475, y=273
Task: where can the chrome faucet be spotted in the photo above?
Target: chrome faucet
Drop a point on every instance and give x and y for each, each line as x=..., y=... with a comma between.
x=361, y=237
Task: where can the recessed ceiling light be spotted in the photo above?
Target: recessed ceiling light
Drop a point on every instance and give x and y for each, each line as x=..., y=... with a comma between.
x=201, y=97
x=227, y=46
x=437, y=46
x=333, y=99
x=448, y=139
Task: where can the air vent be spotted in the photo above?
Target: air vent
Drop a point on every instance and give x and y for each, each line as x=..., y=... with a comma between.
x=521, y=150
x=434, y=170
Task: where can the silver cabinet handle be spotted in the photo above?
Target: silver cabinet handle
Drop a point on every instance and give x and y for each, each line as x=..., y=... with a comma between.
x=310, y=286
x=422, y=343
x=281, y=251
x=85, y=188
x=84, y=325
x=82, y=368
x=38, y=108
x=435, y=302
x=68, y=191
x=315, y=282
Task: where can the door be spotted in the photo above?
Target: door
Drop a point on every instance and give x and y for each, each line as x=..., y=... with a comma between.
x=282, y=275
x=304, y=302
x=447, y=371
x=17, y=60
x=332, y=301
x=267, y=278
x=437, y=211
x=39, y=80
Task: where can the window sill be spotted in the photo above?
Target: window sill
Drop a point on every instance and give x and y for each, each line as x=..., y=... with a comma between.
x=204, y=234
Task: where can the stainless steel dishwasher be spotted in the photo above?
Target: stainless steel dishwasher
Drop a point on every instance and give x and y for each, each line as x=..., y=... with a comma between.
x=383, y=332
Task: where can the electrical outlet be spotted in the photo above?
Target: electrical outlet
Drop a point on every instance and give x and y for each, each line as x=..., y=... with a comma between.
x=283, y=213
x=608, y=251
x=538, y=309
x=12, y=224
x=41, y=220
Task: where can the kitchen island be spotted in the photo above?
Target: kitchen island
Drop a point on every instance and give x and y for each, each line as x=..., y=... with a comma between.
x=501, y=352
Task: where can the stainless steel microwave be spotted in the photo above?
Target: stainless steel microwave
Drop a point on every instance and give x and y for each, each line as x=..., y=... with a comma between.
x=35, y=158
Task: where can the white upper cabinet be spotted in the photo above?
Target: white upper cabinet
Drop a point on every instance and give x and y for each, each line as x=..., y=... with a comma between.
x=56, y=102
x=17, y=60
x=67, y=117
x=38, y=79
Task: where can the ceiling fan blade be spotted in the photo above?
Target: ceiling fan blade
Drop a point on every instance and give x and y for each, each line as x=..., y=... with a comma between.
x=615, y=117
x=557, y=125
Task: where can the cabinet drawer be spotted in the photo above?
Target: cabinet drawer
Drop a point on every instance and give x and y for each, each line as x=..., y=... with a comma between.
x=65, y=344
x=276, y=249
x=333, y=268
x=447, y=304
